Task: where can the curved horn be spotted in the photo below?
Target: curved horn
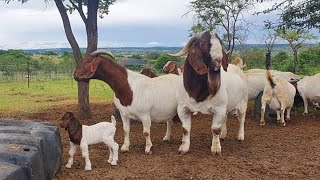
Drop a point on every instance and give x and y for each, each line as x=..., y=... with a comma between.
x=97, y=52
x=186, y=48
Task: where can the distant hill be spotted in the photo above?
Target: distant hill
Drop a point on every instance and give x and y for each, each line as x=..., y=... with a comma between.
x=142, y=50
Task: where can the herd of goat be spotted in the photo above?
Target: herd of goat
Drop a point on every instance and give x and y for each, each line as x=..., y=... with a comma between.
x=206, y=84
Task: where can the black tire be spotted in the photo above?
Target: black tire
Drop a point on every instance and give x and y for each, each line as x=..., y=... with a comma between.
x=41, y=137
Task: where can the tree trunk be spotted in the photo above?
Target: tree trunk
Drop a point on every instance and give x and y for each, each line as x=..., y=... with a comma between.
x=83, y=100
x=91, y=26
x=296, y=63
x=83, y=87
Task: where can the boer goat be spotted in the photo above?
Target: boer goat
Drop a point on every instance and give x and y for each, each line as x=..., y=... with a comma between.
x=209, y=89
x=279, y=94
x=136, y=96
x=82, y=135
x=172, y=67
x=148, y=72
x=309, y=90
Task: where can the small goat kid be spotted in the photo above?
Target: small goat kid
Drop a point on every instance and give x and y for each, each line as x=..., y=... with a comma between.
x=82, y=135
x=137, y=96
x=209, y=89
x=279, y=94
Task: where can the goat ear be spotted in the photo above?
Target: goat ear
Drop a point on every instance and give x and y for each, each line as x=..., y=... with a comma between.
x=196, y=61
x=91, y=68
x=225, y=60
x=73, y=124
x=172, y=67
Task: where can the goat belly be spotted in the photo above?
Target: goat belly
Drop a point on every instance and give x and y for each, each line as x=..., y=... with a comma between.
x=274, y=104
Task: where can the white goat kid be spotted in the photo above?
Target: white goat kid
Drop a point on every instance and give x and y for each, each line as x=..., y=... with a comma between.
x=82, y=135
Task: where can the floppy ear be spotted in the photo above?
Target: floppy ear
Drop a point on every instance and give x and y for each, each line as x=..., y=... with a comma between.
x=196, y=60
x=90, y=69
x=172, y=67
x=225, y=60
x=73, y=124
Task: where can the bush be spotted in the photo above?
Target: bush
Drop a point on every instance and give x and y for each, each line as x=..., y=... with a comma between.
x=162, y=60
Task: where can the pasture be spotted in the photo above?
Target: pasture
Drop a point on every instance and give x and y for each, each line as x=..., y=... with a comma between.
x=290, y=152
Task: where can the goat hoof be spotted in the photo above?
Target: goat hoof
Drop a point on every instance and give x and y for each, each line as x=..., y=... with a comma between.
x=240, y=138
x=148, y=152
x=183, y=152
x=262, y=123
x=216, y=150
x=109, y=161
x=124, y=148
x=216, y=153
x=305, y=113
x=166, y=138
x=87, y=168
x=283, y=124
x=113, y=163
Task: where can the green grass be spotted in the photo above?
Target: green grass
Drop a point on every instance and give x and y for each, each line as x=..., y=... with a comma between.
x=16, y=97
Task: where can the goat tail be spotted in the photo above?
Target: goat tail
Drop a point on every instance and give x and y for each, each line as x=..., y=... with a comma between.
x=269, y=78
x=113, y=120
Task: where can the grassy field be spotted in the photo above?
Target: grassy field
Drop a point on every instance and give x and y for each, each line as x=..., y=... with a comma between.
x=17, y=98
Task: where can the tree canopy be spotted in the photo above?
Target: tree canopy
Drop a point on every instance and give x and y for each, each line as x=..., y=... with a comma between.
x=295, y=14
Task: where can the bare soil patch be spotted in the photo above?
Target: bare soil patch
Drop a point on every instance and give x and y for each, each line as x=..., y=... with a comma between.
x=291, y=152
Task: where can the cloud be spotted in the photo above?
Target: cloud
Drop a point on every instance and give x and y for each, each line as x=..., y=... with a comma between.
x=153, y=43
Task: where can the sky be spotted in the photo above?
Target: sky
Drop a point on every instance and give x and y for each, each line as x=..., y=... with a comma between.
x=130, y=23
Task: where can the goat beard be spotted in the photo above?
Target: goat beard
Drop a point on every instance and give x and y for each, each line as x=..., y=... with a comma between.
x=214, y=80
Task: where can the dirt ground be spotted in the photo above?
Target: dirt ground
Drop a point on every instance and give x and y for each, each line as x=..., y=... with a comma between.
x=291, y=152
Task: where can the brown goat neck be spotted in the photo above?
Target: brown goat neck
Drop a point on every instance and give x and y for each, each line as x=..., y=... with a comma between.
x=196, y=85
x=116, y=77
x=76, y=136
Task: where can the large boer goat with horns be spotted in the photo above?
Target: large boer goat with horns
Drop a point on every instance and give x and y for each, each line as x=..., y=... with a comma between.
x=209, y=89
x=136, y=95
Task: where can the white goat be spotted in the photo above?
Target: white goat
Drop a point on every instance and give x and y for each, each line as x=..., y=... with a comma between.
x=85, y=135
x=256, y=78
x=208, y=89
x=136, y=96
x=309, y=90
x=279, y=94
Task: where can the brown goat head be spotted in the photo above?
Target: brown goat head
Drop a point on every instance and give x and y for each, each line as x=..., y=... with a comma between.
x=69, y=122
x=170, y=67
x=87, y=67
x=148, y=72
x=205, y=52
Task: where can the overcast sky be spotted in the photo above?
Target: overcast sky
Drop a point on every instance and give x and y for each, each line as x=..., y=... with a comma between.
x=130, y=23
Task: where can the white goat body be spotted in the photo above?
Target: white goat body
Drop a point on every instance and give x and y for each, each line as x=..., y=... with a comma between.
x=256, y=80
x=232, y=96
x=279, y=94
x=309, y=90
x=153, y=100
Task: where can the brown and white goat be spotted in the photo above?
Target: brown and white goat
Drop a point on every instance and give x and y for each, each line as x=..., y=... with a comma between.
x=209, y=89
x=148, y=72
x=82, y=135
x=172, y=67
x=309, y=90
x=279, y=94
x=137, y=96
